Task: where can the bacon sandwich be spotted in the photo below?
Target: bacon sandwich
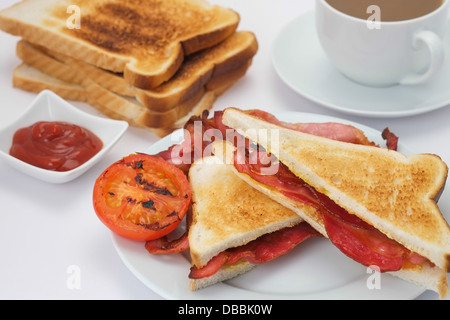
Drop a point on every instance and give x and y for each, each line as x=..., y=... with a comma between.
x=378, y=206
x=235, y=227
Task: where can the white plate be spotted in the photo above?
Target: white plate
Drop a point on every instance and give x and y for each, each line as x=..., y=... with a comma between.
x=50, y=107
x=301, y=63
x=313, y=270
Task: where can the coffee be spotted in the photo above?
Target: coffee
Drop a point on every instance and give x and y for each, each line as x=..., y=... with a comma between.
x=390, y=10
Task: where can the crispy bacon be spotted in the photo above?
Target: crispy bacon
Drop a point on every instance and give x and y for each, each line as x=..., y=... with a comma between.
x=165, y=246
x=391, y=139
x=331, y=130
x=196, y=140
x=259, y=251
x=366, y=246
x=284, y=181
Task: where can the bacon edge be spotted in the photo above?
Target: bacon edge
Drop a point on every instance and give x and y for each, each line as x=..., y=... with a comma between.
x=262, y=250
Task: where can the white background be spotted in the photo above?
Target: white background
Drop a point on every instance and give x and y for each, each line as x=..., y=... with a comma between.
x=45, y=229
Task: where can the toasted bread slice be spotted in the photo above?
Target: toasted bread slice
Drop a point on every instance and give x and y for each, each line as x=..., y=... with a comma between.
x=70, y=70
x=395, y=193
x=227, y=212
x=145, y=40
x=136, y=113
x=31, y=79
x=121, y=107
x=198, y=71
x=130, y=108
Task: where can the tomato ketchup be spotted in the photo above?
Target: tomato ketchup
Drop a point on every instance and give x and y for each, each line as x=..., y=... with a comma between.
x=55, y=146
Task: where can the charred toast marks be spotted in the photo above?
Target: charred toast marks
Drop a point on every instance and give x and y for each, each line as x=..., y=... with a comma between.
x=145, y=39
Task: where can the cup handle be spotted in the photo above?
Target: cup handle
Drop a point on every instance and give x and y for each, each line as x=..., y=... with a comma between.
x=437, y=57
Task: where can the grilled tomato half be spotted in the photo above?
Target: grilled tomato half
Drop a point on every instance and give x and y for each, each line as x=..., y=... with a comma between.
x=141, y=197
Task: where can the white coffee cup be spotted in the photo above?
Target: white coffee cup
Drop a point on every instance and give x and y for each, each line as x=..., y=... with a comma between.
x=379, y=53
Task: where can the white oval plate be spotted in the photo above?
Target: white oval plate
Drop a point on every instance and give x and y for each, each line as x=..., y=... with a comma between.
x=313, y=270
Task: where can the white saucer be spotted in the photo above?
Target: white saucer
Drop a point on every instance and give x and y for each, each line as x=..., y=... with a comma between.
x=301, y=63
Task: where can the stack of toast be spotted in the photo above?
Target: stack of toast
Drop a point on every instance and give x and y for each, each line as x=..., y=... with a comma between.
x=152, y=63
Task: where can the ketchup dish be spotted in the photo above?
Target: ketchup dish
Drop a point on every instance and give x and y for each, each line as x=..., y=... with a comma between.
x=55, y=145
x=55, y=142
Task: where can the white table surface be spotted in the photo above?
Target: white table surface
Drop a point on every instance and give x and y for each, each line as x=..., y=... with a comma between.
x=45, y=229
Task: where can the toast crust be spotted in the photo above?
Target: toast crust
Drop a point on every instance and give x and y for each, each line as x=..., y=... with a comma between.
x=224, y=273
x=197, y=72
x=198, y=69
x=25, y=77
x=120, y=107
